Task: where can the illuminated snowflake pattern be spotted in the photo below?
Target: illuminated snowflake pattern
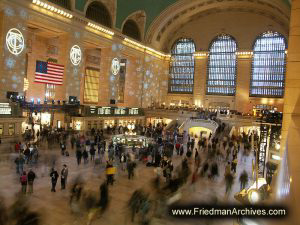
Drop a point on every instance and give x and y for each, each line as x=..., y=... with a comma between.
x=23, y=14
x=9, y=12
x=10, y=63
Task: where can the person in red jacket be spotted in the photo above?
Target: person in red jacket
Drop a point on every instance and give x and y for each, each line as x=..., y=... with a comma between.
x=17, y=147
x=23, y=180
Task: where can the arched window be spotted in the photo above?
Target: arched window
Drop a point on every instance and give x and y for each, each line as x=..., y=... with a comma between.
x=132, y=30
x=221, y=76
x=182, y=67
x=63, y=3
x=268, y=65
x=97, y=12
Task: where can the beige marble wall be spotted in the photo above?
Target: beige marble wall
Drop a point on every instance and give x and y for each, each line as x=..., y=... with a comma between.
x=291, y=119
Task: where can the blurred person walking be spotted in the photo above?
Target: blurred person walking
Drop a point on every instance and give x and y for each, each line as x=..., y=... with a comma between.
x=85, y=156
x=23, y=180
x=78, y=156
x=243, y=180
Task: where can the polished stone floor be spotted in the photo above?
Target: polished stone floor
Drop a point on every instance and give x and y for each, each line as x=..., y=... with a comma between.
x=55, y=208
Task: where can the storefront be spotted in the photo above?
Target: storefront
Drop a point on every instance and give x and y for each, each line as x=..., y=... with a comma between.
x=258, y=109
x=104, y=117
x=199, y=131
x=157, y=120
x=10, y=121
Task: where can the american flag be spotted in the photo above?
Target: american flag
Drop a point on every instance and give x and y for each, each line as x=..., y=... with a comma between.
x=49, y=73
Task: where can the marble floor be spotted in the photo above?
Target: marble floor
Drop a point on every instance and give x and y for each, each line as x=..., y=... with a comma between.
x=55, y=208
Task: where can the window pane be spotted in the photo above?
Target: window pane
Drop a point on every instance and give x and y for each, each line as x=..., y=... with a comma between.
x=221, y=77
x=181, y=79
x=11, y=129
x=268, y=66
x=91, y=85
x=50, y=92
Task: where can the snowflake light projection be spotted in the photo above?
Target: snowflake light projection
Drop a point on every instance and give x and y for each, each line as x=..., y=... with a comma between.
x=9, y=12
x=10, y=63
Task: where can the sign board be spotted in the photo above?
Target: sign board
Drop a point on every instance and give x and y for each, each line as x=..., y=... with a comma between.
x=5, y=109
x=112, y=111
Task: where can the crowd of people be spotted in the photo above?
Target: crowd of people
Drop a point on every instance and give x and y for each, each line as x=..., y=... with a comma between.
x=200, y=157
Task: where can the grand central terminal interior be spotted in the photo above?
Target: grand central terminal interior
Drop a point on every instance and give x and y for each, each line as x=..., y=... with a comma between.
x=149, y=112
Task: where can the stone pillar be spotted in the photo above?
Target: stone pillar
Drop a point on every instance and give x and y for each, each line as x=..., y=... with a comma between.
x=12, y=66
x=291, y=119
x=74, y=73
x=200, y=80
x=243, y=85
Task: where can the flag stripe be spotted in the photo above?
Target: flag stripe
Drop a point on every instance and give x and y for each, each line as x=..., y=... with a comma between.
x=49, y=73
x=48, y=78
x=55, y=69
x=47, y=82
x=56, y=66
x=55, y=73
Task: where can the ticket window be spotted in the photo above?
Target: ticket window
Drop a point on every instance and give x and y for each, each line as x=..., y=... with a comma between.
x=77, y=125
x=89, y=125
x=101, y=124
x=95, y=125
x=109, y=123
x=11, y=129
x=1, y=129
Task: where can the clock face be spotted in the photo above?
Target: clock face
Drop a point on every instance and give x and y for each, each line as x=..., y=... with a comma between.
x=15, y=41
x=115, y=66
x=75, y=55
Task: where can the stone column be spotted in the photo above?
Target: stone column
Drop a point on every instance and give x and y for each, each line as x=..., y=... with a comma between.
x=243, y=85
x=200, y=80
x=291, y=121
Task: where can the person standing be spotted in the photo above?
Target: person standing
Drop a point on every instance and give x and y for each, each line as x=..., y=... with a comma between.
x=64, y=175
x=30, y=177
x=23, y=180
x=54, y=176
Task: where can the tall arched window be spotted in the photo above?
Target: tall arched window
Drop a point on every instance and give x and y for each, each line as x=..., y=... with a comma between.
x=182, y=67
x=97, y=12
x=268, y=66
x=132, y=30
x=221, y=76
x=63, y=3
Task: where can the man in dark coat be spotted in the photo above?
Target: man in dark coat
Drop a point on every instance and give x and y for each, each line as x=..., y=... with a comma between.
x=54, y=176
x=64, y=176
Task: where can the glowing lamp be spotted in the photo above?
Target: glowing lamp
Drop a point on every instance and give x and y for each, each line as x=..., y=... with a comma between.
x=253, y=196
